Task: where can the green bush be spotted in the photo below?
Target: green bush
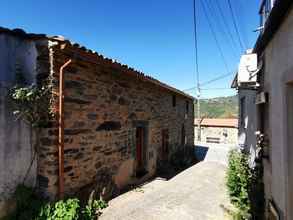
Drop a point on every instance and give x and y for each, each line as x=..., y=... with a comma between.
x=31, y=104
x=61, y=210
x=93, y=209
x=30, y=207
x=239, y=179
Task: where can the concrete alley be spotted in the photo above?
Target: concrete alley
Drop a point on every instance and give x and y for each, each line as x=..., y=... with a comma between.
x=197, y=193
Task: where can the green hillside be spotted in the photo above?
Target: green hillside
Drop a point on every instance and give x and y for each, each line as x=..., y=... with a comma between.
x=221, y=107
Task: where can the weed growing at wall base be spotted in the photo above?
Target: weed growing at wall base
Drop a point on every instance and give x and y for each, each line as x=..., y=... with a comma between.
x=239, y=177
x=30, y=207
x=245, y=186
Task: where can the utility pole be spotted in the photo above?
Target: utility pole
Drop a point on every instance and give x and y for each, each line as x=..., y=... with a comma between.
x=197, y=71
x=198, y=114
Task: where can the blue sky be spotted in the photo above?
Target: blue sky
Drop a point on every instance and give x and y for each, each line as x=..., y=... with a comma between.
x=154, y=36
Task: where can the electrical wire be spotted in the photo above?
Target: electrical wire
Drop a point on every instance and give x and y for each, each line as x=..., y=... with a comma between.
x=220, y=28
x=205, y=89
x=217, y=89
x=235, y=25
x=227, y=26
x=195, y=43
x=218, y=45
x=210, y=81
x=217, y=78
x=214, y=35
x=189, y=89
x=242, y=24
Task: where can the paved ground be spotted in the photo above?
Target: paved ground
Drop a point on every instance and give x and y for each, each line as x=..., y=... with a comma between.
x=197, y=193
x=213, y=152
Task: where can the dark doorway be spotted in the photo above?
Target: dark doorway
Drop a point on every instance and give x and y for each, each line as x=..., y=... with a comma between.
x=140, y=151
x=165, y=144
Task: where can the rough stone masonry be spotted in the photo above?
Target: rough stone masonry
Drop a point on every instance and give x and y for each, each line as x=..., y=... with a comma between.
x=119, y=123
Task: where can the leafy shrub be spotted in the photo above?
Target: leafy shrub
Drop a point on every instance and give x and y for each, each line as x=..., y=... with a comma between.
x=31, y=104
x=61, y=210
x=30, y=207
x=239, y=179
x=93, y=208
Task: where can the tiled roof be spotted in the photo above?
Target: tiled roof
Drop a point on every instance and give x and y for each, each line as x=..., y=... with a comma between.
x=218, y=122
x=140, y=75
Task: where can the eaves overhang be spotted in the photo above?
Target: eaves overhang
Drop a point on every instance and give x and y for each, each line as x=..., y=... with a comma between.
x=273, y=23
x=94, y=56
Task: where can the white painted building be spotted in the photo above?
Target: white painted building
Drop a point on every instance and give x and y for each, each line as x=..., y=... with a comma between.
x=266, y=107
x=218, y=130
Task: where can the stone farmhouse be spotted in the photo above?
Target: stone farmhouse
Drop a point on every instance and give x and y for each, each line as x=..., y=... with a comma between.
x=266, y=107
x=218, y=130
x=111, y=127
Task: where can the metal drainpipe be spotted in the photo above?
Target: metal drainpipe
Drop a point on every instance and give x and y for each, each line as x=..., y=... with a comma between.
x=61, y=130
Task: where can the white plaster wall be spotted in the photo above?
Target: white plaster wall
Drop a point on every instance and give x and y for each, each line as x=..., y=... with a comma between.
x=247, y=127
x=278, y=72
x=218, y=132
x=15, y=136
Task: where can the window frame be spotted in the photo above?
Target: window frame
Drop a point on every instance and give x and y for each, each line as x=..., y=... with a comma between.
x=187, y=107
x=174, y=101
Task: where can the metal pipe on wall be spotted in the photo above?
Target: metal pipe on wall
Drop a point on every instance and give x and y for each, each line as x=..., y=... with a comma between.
x=61, y=130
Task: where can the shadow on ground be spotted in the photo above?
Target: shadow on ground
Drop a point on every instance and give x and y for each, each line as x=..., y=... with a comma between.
x=178, y=163
x=197, y=193
x=169, y=169
x=200, y=152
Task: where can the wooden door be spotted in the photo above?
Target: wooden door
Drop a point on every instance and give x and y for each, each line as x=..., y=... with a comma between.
x=165, y=144
x=139, y=148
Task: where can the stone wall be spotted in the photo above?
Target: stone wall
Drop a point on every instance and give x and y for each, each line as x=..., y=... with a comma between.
x=248, y=123
x=104, y=102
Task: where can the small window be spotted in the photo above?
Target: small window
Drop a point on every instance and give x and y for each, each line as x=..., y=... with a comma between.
x=187, y=107
x=174, y=100
x=214, y=140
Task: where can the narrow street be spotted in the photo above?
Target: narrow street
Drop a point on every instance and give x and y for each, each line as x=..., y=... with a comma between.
x=196, y=193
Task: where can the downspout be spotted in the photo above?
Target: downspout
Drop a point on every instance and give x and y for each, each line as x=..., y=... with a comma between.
x=61, y=130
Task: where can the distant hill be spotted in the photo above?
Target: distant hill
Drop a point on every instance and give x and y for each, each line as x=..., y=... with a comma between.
x=221, y=107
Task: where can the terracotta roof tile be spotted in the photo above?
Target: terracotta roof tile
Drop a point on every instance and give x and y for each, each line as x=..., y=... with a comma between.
x=21, y=33
x=218, y=122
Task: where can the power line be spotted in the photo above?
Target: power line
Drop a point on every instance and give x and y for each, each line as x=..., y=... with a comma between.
x=195, y=42
x=217, y=89
x=210, y=81
x=219, y=25
x=202, y=89
x=242, y=24
x=189, y=89
x=217, y=78
x=227, y=26
x=214, y=35
x=196, y=50
x=235, y=24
